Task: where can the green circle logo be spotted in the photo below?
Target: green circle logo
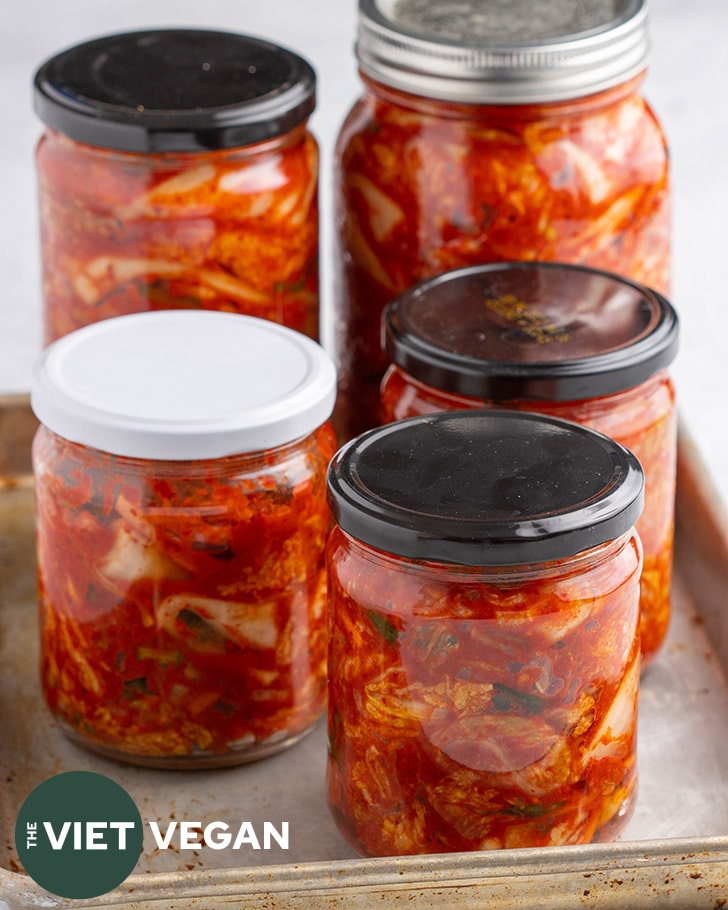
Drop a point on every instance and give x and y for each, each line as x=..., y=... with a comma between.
x=79, y=834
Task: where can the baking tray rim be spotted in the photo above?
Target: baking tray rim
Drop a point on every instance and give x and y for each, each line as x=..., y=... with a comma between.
x=424, y=872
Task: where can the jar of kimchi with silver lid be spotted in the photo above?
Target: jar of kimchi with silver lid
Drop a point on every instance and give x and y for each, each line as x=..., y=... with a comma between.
x=565, y=340
x=483, y=580
x=177, y=170
x=182, y=517
x=491, y=132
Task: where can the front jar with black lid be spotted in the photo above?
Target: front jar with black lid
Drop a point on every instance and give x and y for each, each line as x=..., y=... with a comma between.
x=483, y=582
x=182, y=517
x=490, y=132
x=563, y=340
x=177, y=170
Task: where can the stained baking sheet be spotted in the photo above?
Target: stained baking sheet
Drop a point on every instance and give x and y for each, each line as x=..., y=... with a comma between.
x=673, y=852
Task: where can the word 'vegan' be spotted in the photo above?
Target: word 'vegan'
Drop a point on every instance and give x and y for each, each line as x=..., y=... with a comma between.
x=218, y=836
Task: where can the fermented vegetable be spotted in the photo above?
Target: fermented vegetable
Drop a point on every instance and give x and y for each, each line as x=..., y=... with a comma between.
x=475, y=710
x=183, y=604
x=564, y=340
x=177, y=171
x=483, y=634
x=425, y=186
x=644, y=420
x=228, y=230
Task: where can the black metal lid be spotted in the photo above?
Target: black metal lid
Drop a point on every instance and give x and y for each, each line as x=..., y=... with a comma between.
x=485, y=488
x=531, y=330
x=174, y=90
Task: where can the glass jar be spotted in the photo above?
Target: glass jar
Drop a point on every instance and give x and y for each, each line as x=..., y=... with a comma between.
x=177, y=171
x=562, y=340
x=487, y=133
x=182, y=518
x=483, y=653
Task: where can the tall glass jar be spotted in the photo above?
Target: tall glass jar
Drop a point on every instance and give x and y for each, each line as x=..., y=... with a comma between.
x=564, y=340
x=483, y=653
x=490, y=132
x=182, y=517
x=177, y=171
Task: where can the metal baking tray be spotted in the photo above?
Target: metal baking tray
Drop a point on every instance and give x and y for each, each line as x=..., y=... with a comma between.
x=674, y=852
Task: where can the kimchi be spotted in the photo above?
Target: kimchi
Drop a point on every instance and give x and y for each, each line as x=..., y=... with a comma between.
x=480, y=697
x=233, y=230
x=566, y=340
x=424, y=186
x=470, y=711
x=183, y=616
x=177, y=171
x=643, y=419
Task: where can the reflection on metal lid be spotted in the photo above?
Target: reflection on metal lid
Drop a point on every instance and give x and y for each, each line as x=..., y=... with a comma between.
x=502, y=52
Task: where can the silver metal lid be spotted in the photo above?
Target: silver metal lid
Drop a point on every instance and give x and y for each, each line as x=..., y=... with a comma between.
x=502, y=51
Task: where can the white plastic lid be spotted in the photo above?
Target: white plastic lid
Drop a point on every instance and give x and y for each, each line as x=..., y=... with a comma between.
x=180, y=385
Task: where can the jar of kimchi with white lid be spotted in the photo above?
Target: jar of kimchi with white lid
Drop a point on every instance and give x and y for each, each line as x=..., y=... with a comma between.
x=490, y=132
x=182, y=517
x=565, y=340
x=177, y=170
x=483, y=580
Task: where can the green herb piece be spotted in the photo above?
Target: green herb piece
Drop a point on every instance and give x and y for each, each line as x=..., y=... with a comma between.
x=159, y=293
x=332, y=737
x=205, y=633
x=281, y=287
x=133, y=688
x=161, y=655
x=385, y=628
x=216, y=550
x=532, y=810
x=508, y=699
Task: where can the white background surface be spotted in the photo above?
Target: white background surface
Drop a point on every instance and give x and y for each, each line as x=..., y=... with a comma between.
x=686, y=85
